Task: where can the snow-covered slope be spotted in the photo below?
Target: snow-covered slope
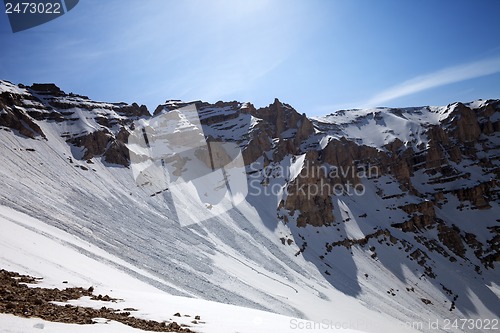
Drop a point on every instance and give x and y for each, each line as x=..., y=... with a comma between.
x=380, y=261
x=378, y=127
x=62, y=260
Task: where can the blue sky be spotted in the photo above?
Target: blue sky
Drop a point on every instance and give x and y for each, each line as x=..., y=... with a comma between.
x=317, y=55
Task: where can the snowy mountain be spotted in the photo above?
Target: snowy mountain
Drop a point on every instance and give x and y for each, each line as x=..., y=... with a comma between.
x=385, y=219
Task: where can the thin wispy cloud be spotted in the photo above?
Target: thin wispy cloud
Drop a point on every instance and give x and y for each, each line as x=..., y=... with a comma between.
x=439, y=78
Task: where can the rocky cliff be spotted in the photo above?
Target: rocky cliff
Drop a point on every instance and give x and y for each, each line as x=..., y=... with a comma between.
x=100, y=129
x=413, y=187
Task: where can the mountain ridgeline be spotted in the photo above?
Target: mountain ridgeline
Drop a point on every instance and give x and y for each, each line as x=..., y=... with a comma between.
x=398, y=207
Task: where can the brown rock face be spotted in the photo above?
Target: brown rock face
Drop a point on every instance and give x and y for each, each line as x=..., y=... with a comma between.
x=281, y=129
x=103, y=143
x=467, y=127
x=342, y=154
x=15, y=118
x=17, y=299
x=94, y=143
x=478, y=195
x=310, y=195
x=47, y=88
x=21, y=110
x=117, y=153
x=283, y=117
x=422, y=215
x=259, y=143
x=304, y=131
x=450, y=237
x=134, y=110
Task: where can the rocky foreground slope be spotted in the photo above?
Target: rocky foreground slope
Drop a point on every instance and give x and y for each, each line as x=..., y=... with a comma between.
x=396, y=207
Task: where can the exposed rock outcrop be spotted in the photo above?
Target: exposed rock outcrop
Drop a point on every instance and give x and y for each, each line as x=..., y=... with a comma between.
x=15, y=117
x=435, y=161
x=18, y=299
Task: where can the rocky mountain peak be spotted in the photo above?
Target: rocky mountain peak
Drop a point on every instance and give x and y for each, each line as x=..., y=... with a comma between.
x=99, y=129
x=410, y=192
x=47, y=89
